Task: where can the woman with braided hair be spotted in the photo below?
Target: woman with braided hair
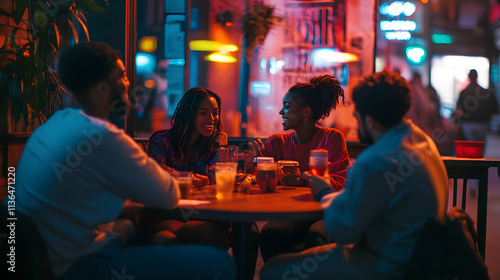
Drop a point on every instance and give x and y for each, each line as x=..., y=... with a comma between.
x=190, y=145
x=304, y=105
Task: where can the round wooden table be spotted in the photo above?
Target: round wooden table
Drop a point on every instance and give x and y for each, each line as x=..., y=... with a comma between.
x=284, y=204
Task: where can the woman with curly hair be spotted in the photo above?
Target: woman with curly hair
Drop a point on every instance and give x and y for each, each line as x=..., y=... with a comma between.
x=304, y=105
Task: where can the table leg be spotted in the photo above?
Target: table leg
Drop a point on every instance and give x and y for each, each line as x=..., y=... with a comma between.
x=245, y=249
x=455, y=186
x=482, y=207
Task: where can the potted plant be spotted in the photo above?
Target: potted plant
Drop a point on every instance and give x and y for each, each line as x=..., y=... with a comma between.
x=29, y=84
x=256, y=25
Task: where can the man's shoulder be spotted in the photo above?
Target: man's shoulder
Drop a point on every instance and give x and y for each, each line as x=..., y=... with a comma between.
x=73, y=125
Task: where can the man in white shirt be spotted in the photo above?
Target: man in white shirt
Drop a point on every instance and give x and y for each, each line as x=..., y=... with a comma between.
x=77, y=170
x=396, y=184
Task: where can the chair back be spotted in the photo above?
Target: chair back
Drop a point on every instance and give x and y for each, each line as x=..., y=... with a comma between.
x=447, y=250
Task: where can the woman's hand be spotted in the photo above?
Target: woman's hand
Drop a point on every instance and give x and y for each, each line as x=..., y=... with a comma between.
x=257, y=147
x=249, y=165
x=295, y=180
x=200, y=180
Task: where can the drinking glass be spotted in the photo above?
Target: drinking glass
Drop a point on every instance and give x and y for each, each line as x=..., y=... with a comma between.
x=222, y=154
x=185, y=182
x=232, y=153
x=267, y=176
x=318, y=162
x=225, y=175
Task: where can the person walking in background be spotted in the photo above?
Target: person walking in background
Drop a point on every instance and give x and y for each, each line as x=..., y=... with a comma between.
x=475, y=106
x=423, y=110
x=303, y=106
x=376, y=220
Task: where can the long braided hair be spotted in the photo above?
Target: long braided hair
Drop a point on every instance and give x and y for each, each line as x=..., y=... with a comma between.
x=321, y=94
x=183, y=122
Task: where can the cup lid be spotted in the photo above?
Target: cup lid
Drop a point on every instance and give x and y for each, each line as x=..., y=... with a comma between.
x=288, y=163
x=319, y=152
x=263, y=159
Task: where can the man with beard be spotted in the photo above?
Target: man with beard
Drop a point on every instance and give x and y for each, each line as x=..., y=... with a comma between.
x=77, y=171
x=397, y=183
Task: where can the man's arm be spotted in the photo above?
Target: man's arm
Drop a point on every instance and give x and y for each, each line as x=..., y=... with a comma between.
x=126, y=169
x=338, y=160
x=349, y=213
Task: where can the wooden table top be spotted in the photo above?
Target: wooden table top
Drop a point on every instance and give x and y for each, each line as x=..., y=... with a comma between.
x=286, y=203
x=460, y=161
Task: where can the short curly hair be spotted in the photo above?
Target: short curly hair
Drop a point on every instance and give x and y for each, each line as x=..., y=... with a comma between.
x=385, y=96
x=321, y=94
x=86, y=64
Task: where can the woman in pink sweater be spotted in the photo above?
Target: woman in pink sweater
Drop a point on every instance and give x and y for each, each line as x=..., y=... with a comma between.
x=303, y=106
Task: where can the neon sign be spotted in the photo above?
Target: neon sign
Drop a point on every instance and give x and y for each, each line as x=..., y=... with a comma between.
x=395, y=25
x=398, y=25
x=397, y=8
x=398, y=35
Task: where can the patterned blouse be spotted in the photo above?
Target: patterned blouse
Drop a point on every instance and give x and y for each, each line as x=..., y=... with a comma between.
x=161, y=149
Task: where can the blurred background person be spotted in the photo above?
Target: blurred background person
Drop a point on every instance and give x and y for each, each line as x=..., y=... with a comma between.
x=475, y=106
x=423, y=110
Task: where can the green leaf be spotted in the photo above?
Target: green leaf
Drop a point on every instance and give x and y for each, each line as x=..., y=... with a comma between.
x=20, y=7
x=90, y=6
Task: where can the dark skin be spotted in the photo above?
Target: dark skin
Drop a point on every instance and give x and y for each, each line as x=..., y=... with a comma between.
x=294, y=115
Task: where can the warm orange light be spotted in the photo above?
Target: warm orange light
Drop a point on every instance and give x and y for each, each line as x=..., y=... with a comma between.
x=330, y=55
x=149, y=83
x=227, y=48
x=344, y=57
x=424, y=1
x=228, y=23
x=147, y=44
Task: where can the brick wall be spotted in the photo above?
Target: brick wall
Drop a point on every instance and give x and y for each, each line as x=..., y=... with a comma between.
x=11, y=146
x=7, y=24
